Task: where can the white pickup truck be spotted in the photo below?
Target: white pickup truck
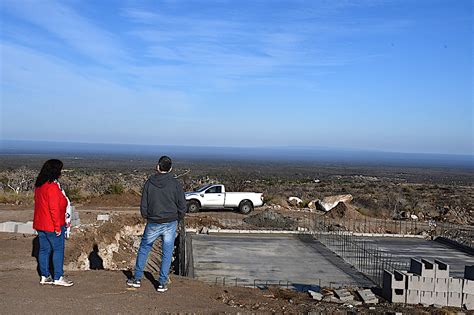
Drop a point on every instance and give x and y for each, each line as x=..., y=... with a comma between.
x=214, y=196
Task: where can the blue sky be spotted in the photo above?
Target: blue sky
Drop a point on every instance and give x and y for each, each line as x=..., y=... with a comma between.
x=361, y=74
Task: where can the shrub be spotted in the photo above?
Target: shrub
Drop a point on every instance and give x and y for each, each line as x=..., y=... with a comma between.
x=115, y=189
x=74, y=194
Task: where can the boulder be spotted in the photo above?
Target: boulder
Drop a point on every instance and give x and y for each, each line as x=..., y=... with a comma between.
x=330, y=202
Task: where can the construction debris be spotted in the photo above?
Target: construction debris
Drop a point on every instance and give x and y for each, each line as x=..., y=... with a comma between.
x=367, y=296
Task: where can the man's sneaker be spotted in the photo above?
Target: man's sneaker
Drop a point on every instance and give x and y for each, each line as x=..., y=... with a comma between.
x=63, y=281
x=162, y=288
x=134, y=283
x=46, y=280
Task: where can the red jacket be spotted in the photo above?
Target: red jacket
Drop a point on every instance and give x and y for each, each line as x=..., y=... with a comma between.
x=50, y=208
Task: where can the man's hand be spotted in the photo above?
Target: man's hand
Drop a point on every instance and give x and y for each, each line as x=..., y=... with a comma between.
x=58, y=233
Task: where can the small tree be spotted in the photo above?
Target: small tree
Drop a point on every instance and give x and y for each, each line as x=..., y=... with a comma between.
x=20, y=180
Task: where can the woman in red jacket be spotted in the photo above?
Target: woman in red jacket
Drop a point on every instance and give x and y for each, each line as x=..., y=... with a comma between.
x=50, y=222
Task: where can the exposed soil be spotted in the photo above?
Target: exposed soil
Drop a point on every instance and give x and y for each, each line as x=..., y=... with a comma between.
x=269, y=218
x=113, y=200
x=116, y=240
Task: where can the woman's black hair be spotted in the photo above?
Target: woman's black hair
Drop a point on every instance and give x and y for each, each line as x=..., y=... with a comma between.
x=50, y=171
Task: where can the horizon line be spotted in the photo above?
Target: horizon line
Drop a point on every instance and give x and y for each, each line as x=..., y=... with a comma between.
x=240, y=147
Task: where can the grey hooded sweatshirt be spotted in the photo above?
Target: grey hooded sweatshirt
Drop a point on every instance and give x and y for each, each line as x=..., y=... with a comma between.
x=162, y=199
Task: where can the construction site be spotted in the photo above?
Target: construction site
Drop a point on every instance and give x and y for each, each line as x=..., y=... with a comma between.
x=331, y=261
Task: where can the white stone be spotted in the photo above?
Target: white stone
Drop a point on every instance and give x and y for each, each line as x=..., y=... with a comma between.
x=295, y=199
x=103, y=217
x=315, y=295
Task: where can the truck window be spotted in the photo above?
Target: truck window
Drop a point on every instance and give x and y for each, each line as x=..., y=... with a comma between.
x=214, y=190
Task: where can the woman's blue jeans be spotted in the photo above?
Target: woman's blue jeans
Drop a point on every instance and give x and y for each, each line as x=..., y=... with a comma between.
x=49, y=242
x=151, y=233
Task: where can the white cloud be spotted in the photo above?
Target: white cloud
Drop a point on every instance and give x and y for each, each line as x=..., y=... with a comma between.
x=73, y=29
x=49, y=93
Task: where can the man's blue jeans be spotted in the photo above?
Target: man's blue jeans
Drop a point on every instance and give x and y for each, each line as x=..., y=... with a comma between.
x=49, y=242
x=151, y=233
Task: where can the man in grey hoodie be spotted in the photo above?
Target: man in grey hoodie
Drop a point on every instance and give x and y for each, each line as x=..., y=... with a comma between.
x=163, y=204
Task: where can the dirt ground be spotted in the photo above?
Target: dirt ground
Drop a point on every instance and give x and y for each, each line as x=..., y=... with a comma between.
x=105, y=292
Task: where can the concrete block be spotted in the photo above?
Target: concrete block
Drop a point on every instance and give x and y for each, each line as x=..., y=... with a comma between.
x=415, y=282
x=344, y=295
x=413, y=297
x=468, y=301
x=17, y=227
x=395, y=280
x=441, y=269
x=422, y=268
x=412, y=281
x=427, y=284
x=468, y=287
x=427, y=298
x=25, y=228
x=396, y=296
x=441, y=285
x=315, y=295
x=367, y=296
x=441, y=298
x=455, y=285
x=454, y=299
x=75, y=214
x=8, y=226
x=469, y=272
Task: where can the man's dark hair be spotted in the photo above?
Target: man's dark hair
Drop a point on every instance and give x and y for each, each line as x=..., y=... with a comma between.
x=50, y=171
x=164, y=163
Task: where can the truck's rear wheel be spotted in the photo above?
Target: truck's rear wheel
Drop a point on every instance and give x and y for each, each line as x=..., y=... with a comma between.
x=193, y=206
x=245, y=207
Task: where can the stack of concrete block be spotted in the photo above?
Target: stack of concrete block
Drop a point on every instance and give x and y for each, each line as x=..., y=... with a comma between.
x=429, y=283
x=468, y=288
x=17, y=227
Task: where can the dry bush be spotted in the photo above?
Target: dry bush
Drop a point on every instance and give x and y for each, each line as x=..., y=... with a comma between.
x=276, y=199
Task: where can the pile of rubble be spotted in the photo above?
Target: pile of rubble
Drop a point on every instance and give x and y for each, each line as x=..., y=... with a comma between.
x=345, y=296
x=271, y=219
